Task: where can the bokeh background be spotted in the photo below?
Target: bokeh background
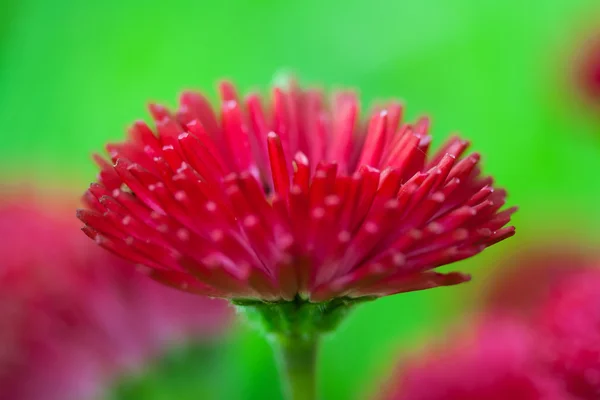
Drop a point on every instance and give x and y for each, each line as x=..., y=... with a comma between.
x=75, y=73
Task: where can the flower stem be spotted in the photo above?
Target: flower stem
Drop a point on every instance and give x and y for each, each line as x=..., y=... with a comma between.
x=297, y=359
x=295, y=328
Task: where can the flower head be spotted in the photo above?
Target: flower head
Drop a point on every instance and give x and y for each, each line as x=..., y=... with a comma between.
x=587, y=70
x=570, y=330
x=496, y=362
x=298, y=199
x=72, y=315
x=556, y=292
x=524, y=280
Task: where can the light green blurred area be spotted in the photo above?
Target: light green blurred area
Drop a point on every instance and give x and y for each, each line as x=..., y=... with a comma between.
x=75, y=73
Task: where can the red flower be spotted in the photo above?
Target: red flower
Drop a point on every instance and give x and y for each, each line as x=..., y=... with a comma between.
x=71, y=316
x=556, y=291
x=300, y=198
x=497, y=363
x=545, y=264
x=570, y=329
x=588, y=70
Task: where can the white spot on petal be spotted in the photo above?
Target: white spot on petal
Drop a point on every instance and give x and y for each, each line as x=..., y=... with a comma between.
x=438, y=197
x=296, y=189
x=371, y=227
x=183, y=234
x=318, y=213
x=332, y=200
x=180, y=195
x=163, y=228
x=286, y=241
x=435, y=227
x=398, y=259
x=392, y=204
x=217, y=235
x=344, y=236
x=250, y=221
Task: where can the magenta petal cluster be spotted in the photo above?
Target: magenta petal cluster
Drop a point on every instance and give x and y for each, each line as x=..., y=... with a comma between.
x=562, y=307
x=297, y=198
x=72, y=316
x=497, y=362
x=587, y=69
x=547, y=263
x=539, y=345
x=570, y=332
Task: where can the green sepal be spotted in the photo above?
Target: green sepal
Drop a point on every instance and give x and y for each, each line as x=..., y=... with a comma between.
x=298, y=318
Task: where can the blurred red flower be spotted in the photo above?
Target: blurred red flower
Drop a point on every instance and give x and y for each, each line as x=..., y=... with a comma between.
x=587, y=69
x=569, y=328
x=73, y=316
x=539, y=337
x=299, y=199
x=522, y=281
x=497, y=361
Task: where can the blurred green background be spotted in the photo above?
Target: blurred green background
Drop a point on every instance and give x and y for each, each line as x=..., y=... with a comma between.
x=75, y=73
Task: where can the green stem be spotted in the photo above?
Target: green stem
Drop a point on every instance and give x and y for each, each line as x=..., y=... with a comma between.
x=297, y=358
x=294, y=328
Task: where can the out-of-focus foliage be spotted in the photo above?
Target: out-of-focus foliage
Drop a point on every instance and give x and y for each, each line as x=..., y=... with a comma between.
x=74, y=73
x=187, y=372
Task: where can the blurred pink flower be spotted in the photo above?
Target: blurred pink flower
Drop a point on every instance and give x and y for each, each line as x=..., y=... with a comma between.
x=497, y=361
x=297, y=199
x=569, y=328
x=587, y=69
x=522, y=281
x=73, y=316
x=539, y=336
